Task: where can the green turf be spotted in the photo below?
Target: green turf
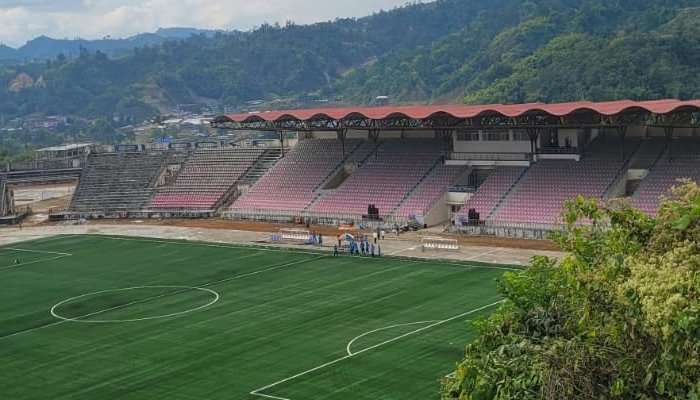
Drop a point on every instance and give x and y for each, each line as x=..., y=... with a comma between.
x=278, y=314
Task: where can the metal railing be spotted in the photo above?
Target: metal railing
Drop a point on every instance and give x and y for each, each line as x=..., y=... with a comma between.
x=282, y=216
x=468, y=156
x=509, y=230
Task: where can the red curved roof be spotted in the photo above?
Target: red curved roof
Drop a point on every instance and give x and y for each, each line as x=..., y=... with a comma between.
x=467, y=111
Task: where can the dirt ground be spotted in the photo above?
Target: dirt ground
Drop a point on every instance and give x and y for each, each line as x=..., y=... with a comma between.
x=464, y=240
x=490, y=250
x=44, y=206
x=40, y=196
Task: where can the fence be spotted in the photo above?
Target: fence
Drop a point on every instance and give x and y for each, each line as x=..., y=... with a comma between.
x=466, y=156
x=509, y=230
x=281, y=216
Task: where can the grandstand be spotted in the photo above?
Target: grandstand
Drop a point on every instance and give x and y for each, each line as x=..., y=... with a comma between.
x=295, y=181
x=480, y=167
x=117, y=181
x=384, y=180
x=681, y=161
x=429, y=191
x=207, y=178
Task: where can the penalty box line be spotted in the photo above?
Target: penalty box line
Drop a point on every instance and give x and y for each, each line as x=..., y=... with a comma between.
x=258, y=392
x=57, y=255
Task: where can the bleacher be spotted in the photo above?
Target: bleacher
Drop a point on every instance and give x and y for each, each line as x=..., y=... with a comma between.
x=650, y=150
x=117, y=181
x=293, y=183
x=206, y=177
x=540, y=194
x=683, y=161
x=384, y=179
x=402, y=178
x=429, y=191
x=491, y=192
x=43, y=176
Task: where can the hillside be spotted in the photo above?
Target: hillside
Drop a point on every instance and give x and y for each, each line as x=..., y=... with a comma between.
x=548, y=51
x=449, y=50
x=43, y=47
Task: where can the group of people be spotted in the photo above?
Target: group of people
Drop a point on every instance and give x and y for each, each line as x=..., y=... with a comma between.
x=316, y=239
x=361, y=246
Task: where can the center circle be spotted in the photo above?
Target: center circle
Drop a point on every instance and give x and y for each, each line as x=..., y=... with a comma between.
x=55, y=310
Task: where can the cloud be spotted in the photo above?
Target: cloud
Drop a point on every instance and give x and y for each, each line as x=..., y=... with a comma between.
x=25, y=19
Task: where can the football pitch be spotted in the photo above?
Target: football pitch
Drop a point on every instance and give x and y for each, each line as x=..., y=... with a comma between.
x=95, y=317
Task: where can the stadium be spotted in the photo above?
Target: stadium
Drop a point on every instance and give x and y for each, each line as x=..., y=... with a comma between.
x=324, y=290
x=475, y=169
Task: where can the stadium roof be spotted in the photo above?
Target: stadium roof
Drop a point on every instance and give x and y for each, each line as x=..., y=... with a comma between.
x=462, y=111
x=66, y=147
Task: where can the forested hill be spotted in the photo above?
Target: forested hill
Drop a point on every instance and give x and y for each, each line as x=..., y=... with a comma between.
x=552, y=50
x=449, y=50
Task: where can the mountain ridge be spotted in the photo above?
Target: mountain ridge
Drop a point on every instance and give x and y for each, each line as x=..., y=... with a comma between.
x=473, y=51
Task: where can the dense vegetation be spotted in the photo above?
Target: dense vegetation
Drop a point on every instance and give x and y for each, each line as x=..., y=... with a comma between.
x=450, y=50
x=550, y=51
x=618, y=318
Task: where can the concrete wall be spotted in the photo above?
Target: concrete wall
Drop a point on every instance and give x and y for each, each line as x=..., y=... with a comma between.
x=439, y=214
x=458, y=198
x=426, y=134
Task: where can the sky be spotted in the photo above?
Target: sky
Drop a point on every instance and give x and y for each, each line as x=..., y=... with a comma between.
x=22, y=20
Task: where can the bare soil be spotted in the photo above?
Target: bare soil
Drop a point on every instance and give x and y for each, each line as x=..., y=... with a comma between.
x=482, y=241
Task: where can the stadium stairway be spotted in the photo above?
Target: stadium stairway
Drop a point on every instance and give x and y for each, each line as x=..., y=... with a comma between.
x=425, y=201
x=491, y=193
x=207, y=179
x=649, y=153
x=357, y=158
x=383, y=180
x=681, y=160
x=268, y=159
x=518, y=177
x=421, y=182
x=293, y=182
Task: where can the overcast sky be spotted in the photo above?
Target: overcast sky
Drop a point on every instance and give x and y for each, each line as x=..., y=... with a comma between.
x=21, y=20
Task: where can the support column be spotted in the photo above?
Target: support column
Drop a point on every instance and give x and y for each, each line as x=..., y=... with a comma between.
x=533, y=134
x=668, y=132
x=281, y=134
x=622, y=133
x=447, y=137
x=342, y=132
x=374, y=135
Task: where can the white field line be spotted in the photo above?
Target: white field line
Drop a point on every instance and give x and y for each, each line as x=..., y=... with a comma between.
x=98, y=312
x=183, y=289
x=37, y=251
x=397, y=252
x=220, y=246
x=57, y=255
x=303, y=251
x=356, y=338
x=272, y=267
x=257, y=392
x=485, y=253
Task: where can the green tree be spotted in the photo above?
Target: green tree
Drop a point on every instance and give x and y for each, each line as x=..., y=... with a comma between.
x=618, y=317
